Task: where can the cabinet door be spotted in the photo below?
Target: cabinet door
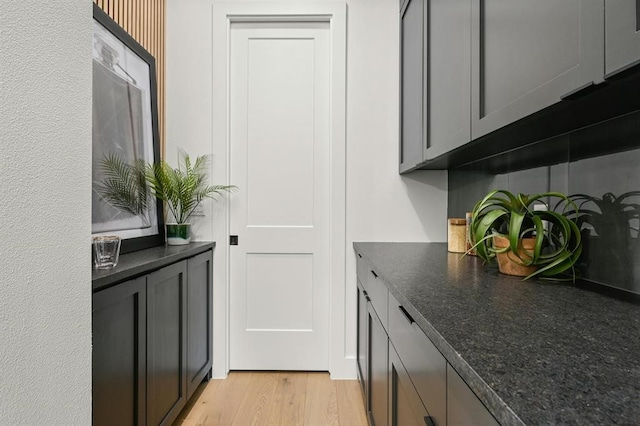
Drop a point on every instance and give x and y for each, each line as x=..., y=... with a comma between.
x=528, y=54
x=425, y=365
x=622, y=37
x=449, y=75
x=463, y=407
x=166, y=349
x=412, y=84
x=199, y=319
x=361, y=344
x=378, y=373
x=405, y=407
x=119, y=366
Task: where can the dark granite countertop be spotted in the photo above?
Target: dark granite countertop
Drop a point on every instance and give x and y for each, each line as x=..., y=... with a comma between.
x=537, y=353
x=139, y=262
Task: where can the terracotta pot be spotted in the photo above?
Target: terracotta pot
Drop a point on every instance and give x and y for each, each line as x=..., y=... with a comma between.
x=508, y=262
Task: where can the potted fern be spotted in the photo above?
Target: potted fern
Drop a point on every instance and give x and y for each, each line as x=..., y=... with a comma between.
x=527, y=241
x=130, y=187
x=182, y=189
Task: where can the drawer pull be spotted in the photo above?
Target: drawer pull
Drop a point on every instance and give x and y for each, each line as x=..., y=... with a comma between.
x=406, y=314
x=374, y=274
x=428, y=421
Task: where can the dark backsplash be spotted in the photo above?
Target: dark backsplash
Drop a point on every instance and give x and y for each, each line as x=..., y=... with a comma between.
x=600, y=162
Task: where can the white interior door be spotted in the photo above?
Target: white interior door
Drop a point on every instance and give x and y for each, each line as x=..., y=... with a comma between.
x=280, y=159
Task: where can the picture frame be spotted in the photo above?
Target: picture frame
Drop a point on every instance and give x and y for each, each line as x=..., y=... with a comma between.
x=125, y=124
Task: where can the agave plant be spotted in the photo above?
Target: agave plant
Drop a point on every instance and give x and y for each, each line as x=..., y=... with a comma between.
x=125, y=185
x=558, y=242
x=183, y=188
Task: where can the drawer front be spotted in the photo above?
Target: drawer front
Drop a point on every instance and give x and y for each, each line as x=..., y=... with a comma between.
x=425, y=365
x=378, y=293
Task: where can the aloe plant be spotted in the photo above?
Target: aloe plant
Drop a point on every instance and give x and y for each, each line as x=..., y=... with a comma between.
x=183, y=188
x=558, y=243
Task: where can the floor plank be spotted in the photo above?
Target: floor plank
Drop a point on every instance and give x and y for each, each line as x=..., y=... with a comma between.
x=350, y=403
x=275, y=399
x=256, y=401
x=288, y=403
x=321, y=406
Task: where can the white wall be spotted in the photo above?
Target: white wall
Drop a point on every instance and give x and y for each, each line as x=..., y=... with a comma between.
x=45, y=188
x=381, y=205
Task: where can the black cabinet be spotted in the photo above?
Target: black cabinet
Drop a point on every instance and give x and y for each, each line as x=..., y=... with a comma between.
x=152, y=335
x=405, y=379
x=463, y=407
x=405, y=406
x=361, y=343
x=199, y=320
x=119, y=354
x=423, y=362
x=166, y=343
x=378, y=373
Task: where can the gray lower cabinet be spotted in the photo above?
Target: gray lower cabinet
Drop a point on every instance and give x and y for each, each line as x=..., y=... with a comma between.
x=378, y=370
x=119, y=354
x=166, y=343
x=404, y=377
x=152, y=343
x=423, y=362
x=463, y=407
x=361, y=343
x=405, y=406
x=528, y=55
x=199, y=320
x=622, y=37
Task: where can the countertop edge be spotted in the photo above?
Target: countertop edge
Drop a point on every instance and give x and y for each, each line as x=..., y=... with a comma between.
x=496, y=406
x=103, y=279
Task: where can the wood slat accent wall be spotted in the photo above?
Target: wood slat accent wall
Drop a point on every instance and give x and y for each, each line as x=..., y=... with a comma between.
x=145, y=21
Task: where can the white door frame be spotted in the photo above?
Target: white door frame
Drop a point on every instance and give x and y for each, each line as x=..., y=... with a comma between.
x=335, y=13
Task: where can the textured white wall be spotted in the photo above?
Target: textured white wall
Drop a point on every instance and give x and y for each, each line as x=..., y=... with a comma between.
x=381, y=205
x=45, y=193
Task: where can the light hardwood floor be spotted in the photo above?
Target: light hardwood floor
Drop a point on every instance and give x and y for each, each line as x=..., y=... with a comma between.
x=276, y=398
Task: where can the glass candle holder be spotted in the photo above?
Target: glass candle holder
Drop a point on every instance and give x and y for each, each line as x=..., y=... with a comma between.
x=106, y=251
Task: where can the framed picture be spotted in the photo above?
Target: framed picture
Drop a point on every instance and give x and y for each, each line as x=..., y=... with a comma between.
x=125, y=126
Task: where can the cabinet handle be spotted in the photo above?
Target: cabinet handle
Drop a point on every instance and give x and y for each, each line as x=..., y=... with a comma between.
x=359, y=255
x=406, y=314
x=429, y=421
x=374, y=274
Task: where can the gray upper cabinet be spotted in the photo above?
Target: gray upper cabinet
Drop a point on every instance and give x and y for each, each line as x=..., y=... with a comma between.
x=622, y=38
x=448, y=68
x=529, y=54
x=412, y=86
